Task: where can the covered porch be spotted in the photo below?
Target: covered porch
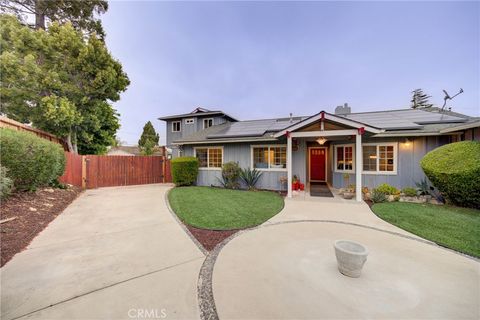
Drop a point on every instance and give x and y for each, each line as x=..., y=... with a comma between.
x=311, y=154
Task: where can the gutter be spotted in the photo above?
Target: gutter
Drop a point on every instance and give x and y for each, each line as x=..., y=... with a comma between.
x=223, y=141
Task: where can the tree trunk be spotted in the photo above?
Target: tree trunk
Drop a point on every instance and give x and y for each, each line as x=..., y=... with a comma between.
x=39, y=15
x=75, y=144
x=69, y=142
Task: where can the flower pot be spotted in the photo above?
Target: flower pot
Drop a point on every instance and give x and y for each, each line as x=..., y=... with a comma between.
x=348, y=195
x=351, y=256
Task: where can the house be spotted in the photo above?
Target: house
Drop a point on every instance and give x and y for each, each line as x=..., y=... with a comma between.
x=324, y=147
x=131, y=151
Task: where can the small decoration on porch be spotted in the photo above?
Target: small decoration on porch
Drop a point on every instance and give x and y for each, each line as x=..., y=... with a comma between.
x=283, y=182
x=297, y=185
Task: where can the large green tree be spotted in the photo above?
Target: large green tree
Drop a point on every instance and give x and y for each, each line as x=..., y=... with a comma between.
x=149, y=139
x=82, y=14
x=420, y=99
x=60, y=81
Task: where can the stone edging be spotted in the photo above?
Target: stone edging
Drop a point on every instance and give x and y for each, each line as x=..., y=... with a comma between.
x=206, y=301
x=182, y=225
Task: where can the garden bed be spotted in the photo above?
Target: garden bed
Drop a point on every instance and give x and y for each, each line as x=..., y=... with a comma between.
x=30, y=213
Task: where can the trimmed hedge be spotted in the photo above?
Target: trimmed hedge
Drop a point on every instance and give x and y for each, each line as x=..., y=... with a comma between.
x=31, y=161
x=6, y=184
x=184, y=171
x=454, y=169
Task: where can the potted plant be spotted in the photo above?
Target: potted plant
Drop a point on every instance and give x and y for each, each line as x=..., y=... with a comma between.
x=351, y=256
x=349, y=192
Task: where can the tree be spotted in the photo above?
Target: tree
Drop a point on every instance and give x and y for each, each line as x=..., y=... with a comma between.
x=149, y=139
x=420, y=99
x=61, y=82
x=81, y=14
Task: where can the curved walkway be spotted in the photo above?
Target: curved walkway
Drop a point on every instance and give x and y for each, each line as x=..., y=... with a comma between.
x=287, y=269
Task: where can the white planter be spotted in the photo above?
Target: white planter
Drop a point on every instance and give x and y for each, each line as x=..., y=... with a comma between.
x=351, y=256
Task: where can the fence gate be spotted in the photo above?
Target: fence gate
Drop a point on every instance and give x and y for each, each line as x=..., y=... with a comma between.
x=109, y=171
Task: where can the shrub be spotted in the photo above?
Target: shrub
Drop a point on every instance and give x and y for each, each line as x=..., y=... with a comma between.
x=409, y=191
x=387, y=189
x=6, y=184
x=454, y=169
x=378, y=196
x=230, y=175
x=184, y=171
x=31, y=161
x=250, y=177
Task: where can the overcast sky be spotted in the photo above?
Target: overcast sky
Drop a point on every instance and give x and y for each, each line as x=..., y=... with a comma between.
x=267, y=59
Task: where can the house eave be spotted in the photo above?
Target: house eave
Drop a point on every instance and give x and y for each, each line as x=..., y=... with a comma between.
x=212, y=141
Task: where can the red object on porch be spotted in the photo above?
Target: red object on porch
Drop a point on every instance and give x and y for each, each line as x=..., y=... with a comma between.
x=318, y=164
x=361, y=130
x=301, y=186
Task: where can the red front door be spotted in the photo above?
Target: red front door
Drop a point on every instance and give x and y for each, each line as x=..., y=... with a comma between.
x=317, y=164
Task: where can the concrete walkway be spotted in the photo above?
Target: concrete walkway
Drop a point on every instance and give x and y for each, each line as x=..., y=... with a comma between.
x=115, y=253
x=286, y=269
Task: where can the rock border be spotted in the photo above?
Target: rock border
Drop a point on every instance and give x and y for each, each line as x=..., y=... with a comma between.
x=206, y=300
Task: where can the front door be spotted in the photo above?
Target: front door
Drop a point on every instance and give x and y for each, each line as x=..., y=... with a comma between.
x=318, y=162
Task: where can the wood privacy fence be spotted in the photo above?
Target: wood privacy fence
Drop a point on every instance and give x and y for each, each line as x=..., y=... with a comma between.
x=91, y=171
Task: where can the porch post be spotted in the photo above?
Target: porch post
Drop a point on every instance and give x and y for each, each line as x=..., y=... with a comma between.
x=358, y=166
x=289, y=165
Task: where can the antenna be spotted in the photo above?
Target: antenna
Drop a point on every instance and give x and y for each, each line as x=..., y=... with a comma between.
x=448, y=97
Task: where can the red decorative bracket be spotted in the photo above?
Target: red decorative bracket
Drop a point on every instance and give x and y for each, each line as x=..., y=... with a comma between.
x=322, y=115
x=361, y=131
x=287, y=133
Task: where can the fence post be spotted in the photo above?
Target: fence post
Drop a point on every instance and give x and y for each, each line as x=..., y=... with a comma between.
x=84, y=172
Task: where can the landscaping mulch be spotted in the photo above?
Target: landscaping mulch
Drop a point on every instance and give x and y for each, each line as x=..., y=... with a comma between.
x=29, y=214
x=210, y=238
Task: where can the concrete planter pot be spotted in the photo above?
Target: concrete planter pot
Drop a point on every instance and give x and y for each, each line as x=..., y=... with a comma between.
x=348, y=195
x=351, y=256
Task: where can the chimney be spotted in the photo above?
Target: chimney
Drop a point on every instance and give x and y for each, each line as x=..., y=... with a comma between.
x=291, y=117
x=343, y=110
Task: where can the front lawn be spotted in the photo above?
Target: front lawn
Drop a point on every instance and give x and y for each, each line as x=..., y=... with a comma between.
x=223, y=209
x=453, y=227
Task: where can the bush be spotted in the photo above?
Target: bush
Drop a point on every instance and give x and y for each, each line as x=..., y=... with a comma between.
x=387, y=189
x=230, y=175
x=184, y=171
x=6, y=184
x=454, y=169
x=378, y=196
x=31, y=161
x=409, y=191
x=250, y=177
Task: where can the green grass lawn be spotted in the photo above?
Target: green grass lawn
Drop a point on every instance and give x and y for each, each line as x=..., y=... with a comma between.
x=452, y=227
x=223, y=209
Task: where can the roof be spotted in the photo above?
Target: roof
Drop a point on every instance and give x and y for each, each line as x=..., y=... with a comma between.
x=401, y=122
x=198, y=112
x=131, y=150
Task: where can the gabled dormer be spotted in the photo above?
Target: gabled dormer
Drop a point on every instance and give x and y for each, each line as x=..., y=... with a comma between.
x=180, y=126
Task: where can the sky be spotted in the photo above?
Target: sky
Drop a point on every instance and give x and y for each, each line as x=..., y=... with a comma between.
x=266, y=59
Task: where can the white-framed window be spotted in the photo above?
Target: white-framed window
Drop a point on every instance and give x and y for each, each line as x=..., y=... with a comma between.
x=209, y=157
x=176, y=126
x=380, y=158
x=190, y=121
x=207, y=123
x=269, y=157
x=344, y=158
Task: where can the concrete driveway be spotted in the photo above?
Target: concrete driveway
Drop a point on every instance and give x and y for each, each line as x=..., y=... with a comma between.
x=286, y=269
x=115, y=253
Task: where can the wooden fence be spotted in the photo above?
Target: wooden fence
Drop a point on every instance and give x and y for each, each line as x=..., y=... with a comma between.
x=91, y=171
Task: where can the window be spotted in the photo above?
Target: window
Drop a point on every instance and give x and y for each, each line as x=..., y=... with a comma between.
x=190, y=121
x=207, y=123
x=380, y=158
x=269, y=157
x=209, y=157
x=176, y=126
x=344, y=158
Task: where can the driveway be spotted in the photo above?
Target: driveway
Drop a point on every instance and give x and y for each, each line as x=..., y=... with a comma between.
x=114, y=253
x=287, y=269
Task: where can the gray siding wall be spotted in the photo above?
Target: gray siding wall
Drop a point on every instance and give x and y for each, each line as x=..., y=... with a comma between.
x=408, y=163
x=241, y=153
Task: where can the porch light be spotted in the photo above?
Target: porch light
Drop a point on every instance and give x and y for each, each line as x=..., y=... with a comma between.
x=407, y=142
x=321, y=141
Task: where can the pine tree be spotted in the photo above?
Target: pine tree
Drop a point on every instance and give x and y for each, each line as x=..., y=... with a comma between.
x=420, y=99
x=149, y=139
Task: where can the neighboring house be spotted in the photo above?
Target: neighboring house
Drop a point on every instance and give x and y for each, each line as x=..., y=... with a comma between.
x=322, y=147
x=131, y=151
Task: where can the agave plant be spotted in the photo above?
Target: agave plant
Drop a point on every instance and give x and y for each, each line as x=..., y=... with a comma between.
x=250, y=177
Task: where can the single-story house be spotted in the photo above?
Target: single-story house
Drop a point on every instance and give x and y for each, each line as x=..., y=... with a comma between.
x=132, y=151
x=364, y=149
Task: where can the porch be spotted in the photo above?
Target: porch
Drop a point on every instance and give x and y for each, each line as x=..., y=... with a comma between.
x=310, y=151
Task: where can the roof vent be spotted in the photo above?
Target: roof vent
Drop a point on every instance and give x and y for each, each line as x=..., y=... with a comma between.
x=291, y=117
x=343, y=110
